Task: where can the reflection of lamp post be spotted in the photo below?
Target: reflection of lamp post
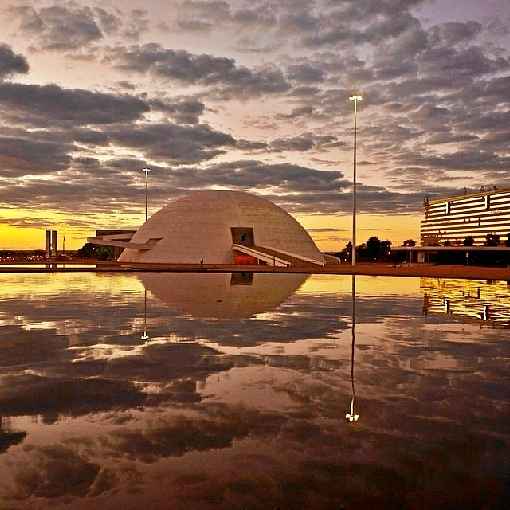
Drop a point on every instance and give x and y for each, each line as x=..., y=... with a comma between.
x=145, y=336
x=355, y=100
x=351, y=415
x=146, y=172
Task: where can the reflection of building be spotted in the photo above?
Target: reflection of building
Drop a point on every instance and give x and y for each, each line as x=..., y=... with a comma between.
x=221, y=295
x=480, y=301
x=219, y=227
x=473, y=215
x=9, y=438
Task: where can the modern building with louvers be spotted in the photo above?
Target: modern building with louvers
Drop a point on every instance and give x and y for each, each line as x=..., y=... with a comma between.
x=449, y=221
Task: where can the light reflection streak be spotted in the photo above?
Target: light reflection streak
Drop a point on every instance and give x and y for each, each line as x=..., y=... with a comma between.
x=145, y=336
x=352, y=415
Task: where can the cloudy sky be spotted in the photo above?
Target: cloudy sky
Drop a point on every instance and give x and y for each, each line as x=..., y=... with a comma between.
x=249, y=95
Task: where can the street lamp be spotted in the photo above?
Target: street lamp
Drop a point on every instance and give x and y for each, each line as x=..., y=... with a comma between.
x=355, y=100
x=146, y=172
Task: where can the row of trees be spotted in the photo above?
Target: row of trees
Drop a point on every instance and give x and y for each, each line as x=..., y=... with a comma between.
x=371, y=251
x=93, y=251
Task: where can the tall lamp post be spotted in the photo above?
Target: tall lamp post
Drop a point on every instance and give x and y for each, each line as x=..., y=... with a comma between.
x=146, y=172
x=355, y=100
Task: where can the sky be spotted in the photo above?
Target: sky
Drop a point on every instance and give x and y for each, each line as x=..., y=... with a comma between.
x=248, y=95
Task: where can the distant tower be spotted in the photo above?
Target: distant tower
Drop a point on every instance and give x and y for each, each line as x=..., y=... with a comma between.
x=48, y=244
x=51, y=243
x=54, y=246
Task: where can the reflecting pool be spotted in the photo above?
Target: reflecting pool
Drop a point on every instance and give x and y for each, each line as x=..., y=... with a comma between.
x=242, y=391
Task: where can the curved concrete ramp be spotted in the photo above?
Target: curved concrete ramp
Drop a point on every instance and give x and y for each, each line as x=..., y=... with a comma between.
x=273, y=257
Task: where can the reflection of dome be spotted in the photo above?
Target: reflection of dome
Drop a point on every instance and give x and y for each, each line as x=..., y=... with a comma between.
x=8, y=439
x=203, y=226
x=222, y=295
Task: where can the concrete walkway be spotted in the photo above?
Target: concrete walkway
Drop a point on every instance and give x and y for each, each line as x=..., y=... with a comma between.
x=409, y=270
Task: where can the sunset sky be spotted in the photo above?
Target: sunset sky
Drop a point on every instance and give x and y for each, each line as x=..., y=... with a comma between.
x=248, y=95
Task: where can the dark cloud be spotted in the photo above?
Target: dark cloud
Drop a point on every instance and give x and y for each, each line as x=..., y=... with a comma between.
x=11, y=63
x=348, y=23
x=304, y=142
x=69, y=26
x=468, y=62
x=296, y=113
x=206, y=70
x=474, y=160
x=257, y=175
x=455, y=32
x=63, y=27
x=202, y=16
x=306, y=73
x=47, y=105
x=296, y=188
x=185, y=111
x=22, y=156
x=172, y=143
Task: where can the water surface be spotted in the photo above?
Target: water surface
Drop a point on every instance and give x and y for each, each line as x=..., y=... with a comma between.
x=206, y=391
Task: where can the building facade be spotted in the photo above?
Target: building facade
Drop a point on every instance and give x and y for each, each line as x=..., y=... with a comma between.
x=117, y=232
x=473, y=215
x=218, y=227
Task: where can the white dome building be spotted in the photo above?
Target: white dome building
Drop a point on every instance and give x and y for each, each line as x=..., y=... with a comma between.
x=219, y=227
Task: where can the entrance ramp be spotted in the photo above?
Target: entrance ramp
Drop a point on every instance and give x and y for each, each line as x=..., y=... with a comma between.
x=273, y=257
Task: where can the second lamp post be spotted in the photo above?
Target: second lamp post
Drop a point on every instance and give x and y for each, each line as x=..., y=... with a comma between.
x=355, y=100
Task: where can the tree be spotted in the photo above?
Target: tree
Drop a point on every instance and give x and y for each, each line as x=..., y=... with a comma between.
x=346, y=253
x=385, y=248
x=469, y=241
x=87, y=251
x=409, y=242
x=92, y=251
x=373, y=248
x=492, y=239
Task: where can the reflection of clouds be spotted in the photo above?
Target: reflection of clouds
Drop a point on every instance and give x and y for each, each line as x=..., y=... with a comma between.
x=28, y=394
x=250, y=413
x=174, y=436
x=56, y=471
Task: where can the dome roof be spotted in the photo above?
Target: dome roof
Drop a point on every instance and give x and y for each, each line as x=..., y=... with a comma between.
x=203, y=225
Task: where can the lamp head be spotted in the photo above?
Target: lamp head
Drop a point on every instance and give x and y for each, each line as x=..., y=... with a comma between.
x=352, y=417
x=146, y=170
x=356, y=98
